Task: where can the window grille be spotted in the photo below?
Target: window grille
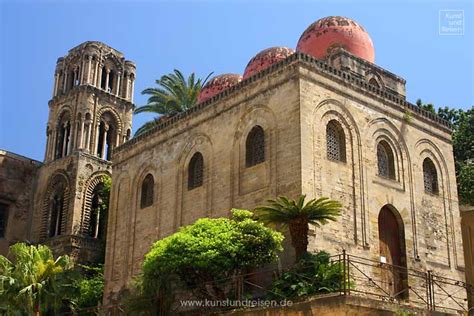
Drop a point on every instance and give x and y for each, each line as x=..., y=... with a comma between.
x=195, y=171
x=385, y=161
x=255, y=147
x=430, y=177
x=147, y=191
x=335, y=142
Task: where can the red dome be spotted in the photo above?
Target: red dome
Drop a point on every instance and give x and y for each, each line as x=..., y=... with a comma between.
x=217, y=85
x=336, y=31
x=265, y=59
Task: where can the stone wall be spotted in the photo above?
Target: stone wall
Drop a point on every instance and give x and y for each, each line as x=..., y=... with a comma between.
x=293, y=101
x=17, y=180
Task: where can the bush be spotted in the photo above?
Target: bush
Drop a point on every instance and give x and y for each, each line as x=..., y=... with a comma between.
x=313, y=274
x=91, y=287
x=209, y=251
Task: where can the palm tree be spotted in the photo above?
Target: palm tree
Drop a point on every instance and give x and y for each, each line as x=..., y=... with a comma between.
x=296, y=215
x=174, y=95
x=35, y=282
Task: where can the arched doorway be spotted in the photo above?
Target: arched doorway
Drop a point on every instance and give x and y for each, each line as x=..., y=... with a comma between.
x=393, y=253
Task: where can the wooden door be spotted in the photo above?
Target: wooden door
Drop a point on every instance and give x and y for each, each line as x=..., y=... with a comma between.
x=392, y=253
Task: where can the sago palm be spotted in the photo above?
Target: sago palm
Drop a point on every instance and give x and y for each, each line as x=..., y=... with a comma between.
x=34, y=282
x=296, y=215
x=174, y=94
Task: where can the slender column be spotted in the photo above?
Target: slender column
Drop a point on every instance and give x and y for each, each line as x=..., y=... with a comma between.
x=88, y=135
x=89, y=65
x=99, y=75
x=96, y=228
x=65, y=142
x=96, y=144
x=82, y=70
x=65, y=81
x=70, y=139
x=46, y=153
x=104, y=141
x=126, y=85
x=56, y=83
x=81, y=133
x=117, y=92
x=131, y=90
x=107, y=80
x=54, y=144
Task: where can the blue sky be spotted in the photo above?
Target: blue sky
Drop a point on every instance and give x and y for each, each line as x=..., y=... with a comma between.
x=218, y=36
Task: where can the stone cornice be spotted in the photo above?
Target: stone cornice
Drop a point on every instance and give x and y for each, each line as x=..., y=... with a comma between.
x=318, y=65
x=77, y=153
x=92, y=89
x=10, y=154
x=368, y=64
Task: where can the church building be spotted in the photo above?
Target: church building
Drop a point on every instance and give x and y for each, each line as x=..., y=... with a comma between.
x=321, y=119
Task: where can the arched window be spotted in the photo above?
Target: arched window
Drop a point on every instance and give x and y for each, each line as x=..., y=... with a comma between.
x=57, y=213
x=374, y=82
x=335, y=142
x=430, y=176
x=255, y=147
x=98, y=212
x=385, y=160
x=107, y=136
x=195, y=171
x=63, y=130
x=147, y=191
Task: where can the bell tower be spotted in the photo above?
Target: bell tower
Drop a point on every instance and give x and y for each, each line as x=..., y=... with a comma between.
x=90, y=114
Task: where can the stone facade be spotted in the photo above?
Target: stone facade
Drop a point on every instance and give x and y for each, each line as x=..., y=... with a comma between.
x=293, y=101
x=339, y=128
x=17, y=180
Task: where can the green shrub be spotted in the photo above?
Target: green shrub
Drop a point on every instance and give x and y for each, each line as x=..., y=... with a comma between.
x=209, y=251
x=313, y=274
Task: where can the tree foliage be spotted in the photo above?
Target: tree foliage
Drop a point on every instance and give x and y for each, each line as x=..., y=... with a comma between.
x=296, y=215
x=313, y=274
x=463, y=146
x=91, y=287
x=210, y=251
x=174, y=94
x=34, y=282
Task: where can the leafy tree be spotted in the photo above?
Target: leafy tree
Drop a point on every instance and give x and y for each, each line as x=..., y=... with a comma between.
x=204, y=256
x=426, y=106
x=313, y=274
x=33, y=282
x=174, y=94
x=466, y=182
x=296, y=215
x=91, y=287
x=463, y=146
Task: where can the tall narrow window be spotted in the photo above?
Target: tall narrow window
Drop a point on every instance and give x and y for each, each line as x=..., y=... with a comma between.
x=56, y=211
x=335, y=142
x=110, y=88
x=147, y=191
x=98, y=212
x=3, y=220
x=430, y=176
x=385, y=160
x=103, y=78
x=195, y=171
x=255, y=147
